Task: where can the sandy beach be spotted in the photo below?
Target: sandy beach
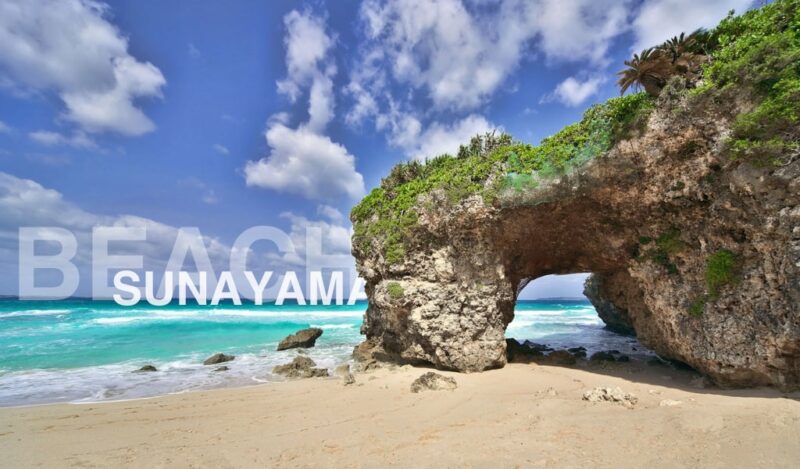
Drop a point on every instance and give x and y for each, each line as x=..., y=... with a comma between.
x=518, y=416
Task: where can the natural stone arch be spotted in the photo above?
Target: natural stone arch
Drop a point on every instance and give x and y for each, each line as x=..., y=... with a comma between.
x=648, y=216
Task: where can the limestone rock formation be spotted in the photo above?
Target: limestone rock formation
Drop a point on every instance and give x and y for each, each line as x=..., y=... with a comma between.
x=305, y=338
x=343, y=371
x=615, y=317
x=300, y=367
x=649, y=216
x=686, y=207
x=616, y=395
x=431, y=381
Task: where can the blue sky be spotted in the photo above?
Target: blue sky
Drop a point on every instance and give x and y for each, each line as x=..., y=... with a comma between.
x=226, y=116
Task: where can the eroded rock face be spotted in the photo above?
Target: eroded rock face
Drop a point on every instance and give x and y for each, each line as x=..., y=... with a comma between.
x=616, y=317
x=646, y=217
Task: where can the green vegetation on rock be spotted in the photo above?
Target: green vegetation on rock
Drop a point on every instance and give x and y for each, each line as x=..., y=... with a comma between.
x=665, y=247
x=755, y=57
x=720, y=271
x=758, y=55
x=759, y=52
x=698, y=305
x=395, y=290
x=490, y=166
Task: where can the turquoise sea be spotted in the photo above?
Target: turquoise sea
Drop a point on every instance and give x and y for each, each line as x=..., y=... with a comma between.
x=85, y=351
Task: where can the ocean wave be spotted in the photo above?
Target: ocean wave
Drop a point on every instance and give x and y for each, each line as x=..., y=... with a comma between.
x=121, y=320
x=35, y=312
x=254, y=313
x=117, y=382
x=334, y=326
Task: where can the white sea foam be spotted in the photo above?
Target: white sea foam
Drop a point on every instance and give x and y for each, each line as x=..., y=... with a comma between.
x=35, y=312
x=334, y=326
x=119, y=382
x=122, y=320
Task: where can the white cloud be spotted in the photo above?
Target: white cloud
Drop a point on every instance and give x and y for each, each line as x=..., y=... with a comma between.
x=69, y=47
x=307, y=46
x=24, y=202
x=221, y=149
x=330, y=213
x=460, y=58
x=335, y=237
x=459, y=54
x=304, y=160
x=305, y=163
x=194, y=52
x=659, y=20
x=438, y=139
x=78, y=139
x=4, y=128
x=578, y=30
x=573, y=92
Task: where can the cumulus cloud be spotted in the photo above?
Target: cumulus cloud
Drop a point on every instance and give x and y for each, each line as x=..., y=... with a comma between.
x=438, y=139
x=458, y=54
x=573, y=92
x=303, y=160
x=305, y=163
x=459, y=58
x=69, y=47
x=24, y=202
x=330, y=213
x=335, y=237
x=77, y=140
x=659, y=20
x=579, y=30
x=307, y=45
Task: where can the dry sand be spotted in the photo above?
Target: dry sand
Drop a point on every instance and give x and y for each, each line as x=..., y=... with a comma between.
x=519, y=416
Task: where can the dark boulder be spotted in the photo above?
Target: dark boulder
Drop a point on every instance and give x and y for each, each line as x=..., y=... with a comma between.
x=305, y=338
x=577, y=352
x=218, y=358
x=147, y=368
x=521, y=353
x=560, y=357
x=602, y=357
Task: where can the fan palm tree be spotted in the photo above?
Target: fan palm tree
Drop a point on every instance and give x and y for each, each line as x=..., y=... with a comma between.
x=649, y=70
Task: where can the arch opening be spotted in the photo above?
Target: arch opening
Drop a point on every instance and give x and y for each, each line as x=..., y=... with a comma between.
x=553, y=313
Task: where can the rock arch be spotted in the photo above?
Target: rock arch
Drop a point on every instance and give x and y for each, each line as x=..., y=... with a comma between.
x=648, y=218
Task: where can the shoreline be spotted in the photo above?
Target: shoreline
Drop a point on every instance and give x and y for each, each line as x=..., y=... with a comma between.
x=520, y=415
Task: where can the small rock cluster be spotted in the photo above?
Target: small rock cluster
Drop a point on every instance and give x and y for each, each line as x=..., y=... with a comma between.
x=528, y=352
x=617, y=395
x=300, y=367
x=431, y=381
